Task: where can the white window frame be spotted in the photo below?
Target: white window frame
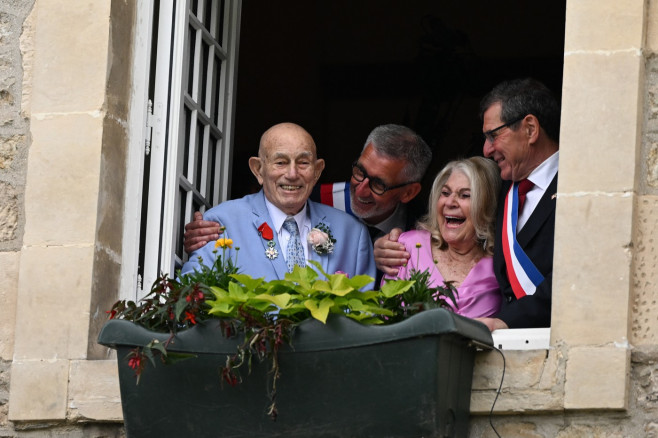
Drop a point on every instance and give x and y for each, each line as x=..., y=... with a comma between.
x=163, y=128
x=522, y=339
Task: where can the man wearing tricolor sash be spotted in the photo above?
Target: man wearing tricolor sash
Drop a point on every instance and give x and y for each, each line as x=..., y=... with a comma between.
x=521, y=125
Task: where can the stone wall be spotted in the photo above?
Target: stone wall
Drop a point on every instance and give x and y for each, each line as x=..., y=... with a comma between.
x=640, y=418
x=17, y=123
x=14, y=122
x=85, y=95
x=15, y=56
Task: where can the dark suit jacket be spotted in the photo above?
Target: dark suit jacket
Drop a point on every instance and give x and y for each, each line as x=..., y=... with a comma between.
x=536, y=238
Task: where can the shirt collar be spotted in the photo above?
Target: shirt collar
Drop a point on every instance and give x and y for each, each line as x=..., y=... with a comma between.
x=278, y=217
x=545, y=172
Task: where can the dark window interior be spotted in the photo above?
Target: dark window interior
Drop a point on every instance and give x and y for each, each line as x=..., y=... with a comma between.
x=341, y=67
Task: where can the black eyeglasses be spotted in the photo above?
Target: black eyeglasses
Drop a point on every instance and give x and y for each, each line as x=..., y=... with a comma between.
x=377, y=186
x=489, y=134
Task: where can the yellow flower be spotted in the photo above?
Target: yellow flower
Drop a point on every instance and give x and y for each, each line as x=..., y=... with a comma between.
x=223, y=243
x=418, y=245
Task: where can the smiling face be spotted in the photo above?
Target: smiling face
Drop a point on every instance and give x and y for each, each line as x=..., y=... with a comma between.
x=453, y=210
x=511, y=149
x=369, y=206
x=287, y=166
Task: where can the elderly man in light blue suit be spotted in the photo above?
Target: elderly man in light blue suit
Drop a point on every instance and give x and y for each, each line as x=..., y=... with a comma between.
x=287, y=167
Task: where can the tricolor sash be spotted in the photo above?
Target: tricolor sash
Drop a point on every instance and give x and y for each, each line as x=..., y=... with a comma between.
x=336, y=195
x=521, y=272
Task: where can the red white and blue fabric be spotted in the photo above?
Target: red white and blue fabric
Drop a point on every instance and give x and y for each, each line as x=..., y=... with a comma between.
x=523, y=275
x=336, y=195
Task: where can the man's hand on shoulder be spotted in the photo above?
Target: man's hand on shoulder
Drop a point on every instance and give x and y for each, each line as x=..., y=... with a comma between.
x=493, y=323
x=199, y=232
x=389, y=253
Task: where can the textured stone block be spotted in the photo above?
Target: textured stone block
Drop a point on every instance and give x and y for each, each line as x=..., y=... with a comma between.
x=597, y=377
x=8, y=212
x=63, y=177
x=9, y=148
x=523, y=369
x=531, y=384
x=592, y=269
x=53, y=316
x=601, y=114
x=644, y=328
x=8, y=291
x=70, y=68
x=38, y=390
x=94, y=391
x=604, y=25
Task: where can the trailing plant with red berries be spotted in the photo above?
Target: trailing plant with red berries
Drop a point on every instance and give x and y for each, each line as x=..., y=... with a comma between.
x=173, y=305
x=263, y=313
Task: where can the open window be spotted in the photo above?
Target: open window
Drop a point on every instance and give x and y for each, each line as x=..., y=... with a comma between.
x=182, y=161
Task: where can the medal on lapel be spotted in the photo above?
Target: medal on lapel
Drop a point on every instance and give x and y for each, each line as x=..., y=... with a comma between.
x=266, y=233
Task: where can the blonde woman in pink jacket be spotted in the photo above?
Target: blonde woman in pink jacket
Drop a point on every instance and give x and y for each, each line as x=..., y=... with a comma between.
x=454, y=241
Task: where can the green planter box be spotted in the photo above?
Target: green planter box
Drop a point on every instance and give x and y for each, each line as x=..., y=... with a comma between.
x=343, y=379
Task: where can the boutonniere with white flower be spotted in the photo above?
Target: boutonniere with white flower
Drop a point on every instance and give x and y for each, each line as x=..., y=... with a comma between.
x=321, y=240
x=266, y=233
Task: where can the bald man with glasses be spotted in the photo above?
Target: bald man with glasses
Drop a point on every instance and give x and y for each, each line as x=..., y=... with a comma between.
x=385, y=178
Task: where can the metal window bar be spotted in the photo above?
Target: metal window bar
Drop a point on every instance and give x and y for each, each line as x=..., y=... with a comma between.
x=188, y=164
x=200, y=156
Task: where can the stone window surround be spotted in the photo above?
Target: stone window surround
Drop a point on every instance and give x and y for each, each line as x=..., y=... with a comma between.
x=604, y=79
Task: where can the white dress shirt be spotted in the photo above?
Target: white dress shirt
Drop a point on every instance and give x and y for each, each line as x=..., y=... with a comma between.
x=303, y=224
x=541, y=177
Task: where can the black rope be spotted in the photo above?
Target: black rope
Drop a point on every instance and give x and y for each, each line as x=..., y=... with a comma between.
x=500, y=387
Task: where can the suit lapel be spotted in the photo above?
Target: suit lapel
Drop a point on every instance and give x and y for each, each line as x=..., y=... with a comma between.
x=316, y=218
x=540, y=215
x=260, y=215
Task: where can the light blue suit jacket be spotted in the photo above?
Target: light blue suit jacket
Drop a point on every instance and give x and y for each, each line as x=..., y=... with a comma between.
x=352, y=253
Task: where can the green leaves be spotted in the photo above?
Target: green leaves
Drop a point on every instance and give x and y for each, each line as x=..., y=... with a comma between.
x=265, y=313
x=392, y=288
x=408, y=297
x=320, y=310
x=305, y=292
